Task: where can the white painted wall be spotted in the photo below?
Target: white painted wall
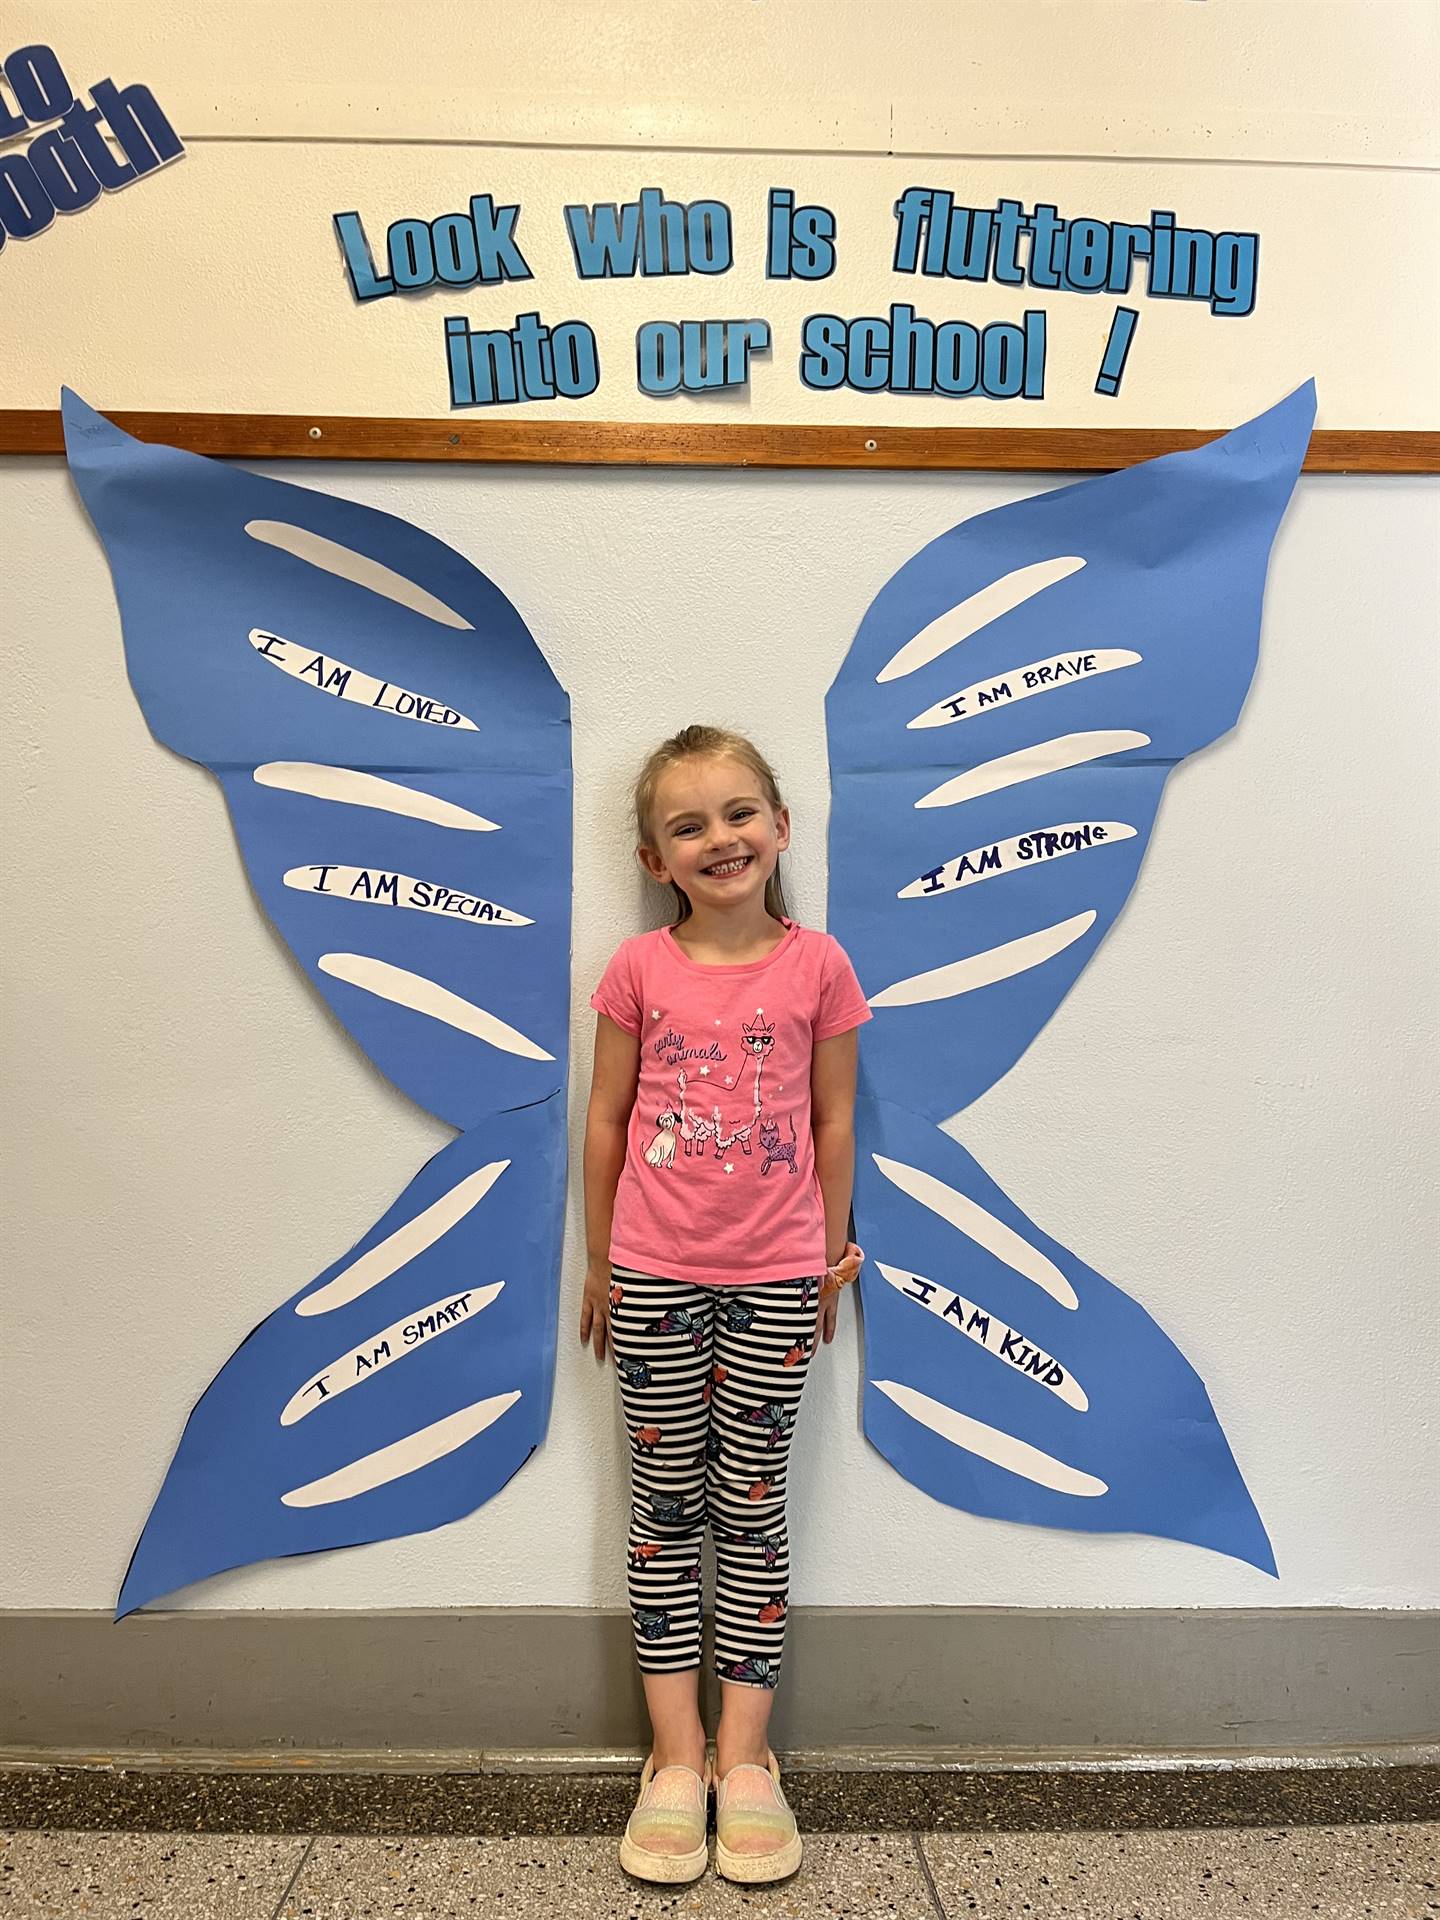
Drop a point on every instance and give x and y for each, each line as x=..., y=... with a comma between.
x=1337, y=81
x=189, y=1137
x=1227, y=1117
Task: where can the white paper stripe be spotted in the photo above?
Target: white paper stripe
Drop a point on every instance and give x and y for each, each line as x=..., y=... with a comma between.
x=990, y=1333
x=1004, y=689
x=338, y=680
x=426, y=996
x=993, y=1443
x=380, y=887
x=1029, y=763
x=359, y=568
x=1022, y=854
x=353, y=789
x=397, y=1249
x=971, y=1219
x=384, y=1348
x=987, y=968
x=416, y=1450
x=1001, y=596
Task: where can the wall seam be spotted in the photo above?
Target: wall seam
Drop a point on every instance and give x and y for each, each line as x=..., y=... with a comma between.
x=806, y=153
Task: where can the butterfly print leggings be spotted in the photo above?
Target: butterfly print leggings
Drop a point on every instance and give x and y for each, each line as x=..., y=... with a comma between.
x=710, y=1379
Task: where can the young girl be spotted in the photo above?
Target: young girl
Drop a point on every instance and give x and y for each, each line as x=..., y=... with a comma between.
x=719, y=1155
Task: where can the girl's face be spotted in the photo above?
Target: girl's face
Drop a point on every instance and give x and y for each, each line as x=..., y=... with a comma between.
x=714, y=833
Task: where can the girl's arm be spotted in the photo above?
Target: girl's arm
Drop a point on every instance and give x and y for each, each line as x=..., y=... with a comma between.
x=612, y=1097
x=832, y=1120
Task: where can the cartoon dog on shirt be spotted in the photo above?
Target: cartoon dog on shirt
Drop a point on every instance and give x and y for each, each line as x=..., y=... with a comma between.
x=661, y=1150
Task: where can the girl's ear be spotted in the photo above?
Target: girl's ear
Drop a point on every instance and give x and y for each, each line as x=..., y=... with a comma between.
x=782, y=828
x=652, y=863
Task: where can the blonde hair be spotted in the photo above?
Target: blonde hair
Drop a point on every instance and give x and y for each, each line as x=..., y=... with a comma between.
x=707, y=743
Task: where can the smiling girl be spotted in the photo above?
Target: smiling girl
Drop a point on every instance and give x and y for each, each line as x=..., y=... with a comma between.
x=719, y=1157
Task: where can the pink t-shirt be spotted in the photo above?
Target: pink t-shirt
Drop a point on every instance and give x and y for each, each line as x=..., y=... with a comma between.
x=719, y=1182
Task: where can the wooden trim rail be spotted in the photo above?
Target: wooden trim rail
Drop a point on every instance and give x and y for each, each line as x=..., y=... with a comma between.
x=279, y=436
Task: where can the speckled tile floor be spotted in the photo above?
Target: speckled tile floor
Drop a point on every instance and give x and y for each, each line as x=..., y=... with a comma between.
x=1318, y=1873
x=1295, y=1873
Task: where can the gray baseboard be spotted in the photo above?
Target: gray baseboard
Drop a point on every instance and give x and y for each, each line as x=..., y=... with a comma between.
x=928, y=1682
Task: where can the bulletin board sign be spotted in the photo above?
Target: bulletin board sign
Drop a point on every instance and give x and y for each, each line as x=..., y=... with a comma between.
x=446, y=301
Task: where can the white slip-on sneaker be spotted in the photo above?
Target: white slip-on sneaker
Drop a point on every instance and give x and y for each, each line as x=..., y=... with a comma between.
x=665, y=1836
x=756, y=1839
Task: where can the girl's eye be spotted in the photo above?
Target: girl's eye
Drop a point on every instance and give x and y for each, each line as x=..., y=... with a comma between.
x=742, y=813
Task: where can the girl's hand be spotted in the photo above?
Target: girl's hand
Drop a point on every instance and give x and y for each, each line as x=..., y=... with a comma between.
x=826, y=1315
x=841, y=1275
x=595, y=1309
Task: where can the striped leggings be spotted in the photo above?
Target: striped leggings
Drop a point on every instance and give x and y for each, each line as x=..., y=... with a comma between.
x=710, y=1379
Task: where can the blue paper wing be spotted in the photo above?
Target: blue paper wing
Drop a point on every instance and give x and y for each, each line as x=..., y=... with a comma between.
x=385, y=1398
x=1006, y=1377
x=978, y=858
x=320, y=763
x=394, y=751
x=1000, y=732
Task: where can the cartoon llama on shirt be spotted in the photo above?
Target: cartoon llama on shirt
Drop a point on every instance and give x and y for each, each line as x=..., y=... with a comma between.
x=693, y=1129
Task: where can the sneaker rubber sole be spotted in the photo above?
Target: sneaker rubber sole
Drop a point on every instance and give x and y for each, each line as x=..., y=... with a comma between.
x=759, y=1869
x=666, y=1869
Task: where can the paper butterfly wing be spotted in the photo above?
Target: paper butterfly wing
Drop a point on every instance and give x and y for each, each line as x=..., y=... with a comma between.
x=406, y=733
x=391, y=1410
x=1002, y=726
x=395, y=754
x=999, y=735
x=1005, y=1376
